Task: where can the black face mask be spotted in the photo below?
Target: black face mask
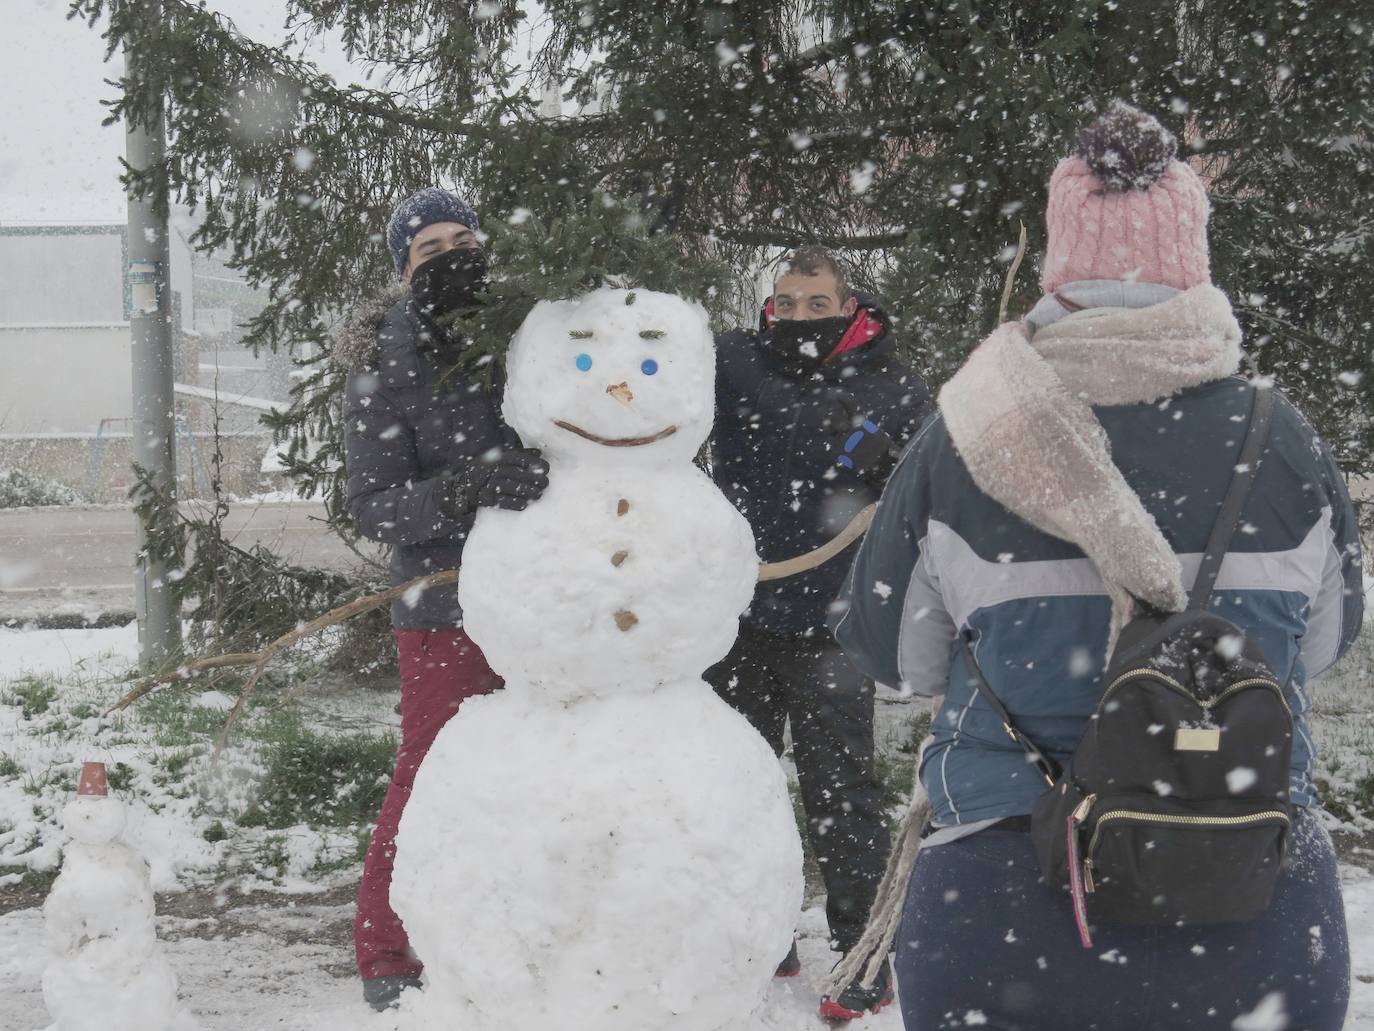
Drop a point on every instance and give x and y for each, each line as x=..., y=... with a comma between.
x=449, y=281
x=806, y=343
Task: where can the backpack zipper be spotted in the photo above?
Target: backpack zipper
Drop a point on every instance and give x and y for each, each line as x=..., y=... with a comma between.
x=1164, y=678
x=1187, y=821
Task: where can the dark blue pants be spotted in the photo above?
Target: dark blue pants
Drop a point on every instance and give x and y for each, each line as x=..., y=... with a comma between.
x=984, y=942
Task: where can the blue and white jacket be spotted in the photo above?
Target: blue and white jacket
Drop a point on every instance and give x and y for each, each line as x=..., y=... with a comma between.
x=943, y=559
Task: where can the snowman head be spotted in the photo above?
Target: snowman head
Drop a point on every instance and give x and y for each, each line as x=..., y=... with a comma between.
x=93, y=819
x=622, y=376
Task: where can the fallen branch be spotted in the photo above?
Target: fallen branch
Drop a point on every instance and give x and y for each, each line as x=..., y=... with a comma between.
x=259, y=659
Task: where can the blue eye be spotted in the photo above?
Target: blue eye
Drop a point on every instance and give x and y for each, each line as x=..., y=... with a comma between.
x=584, y=362
x=649, y=367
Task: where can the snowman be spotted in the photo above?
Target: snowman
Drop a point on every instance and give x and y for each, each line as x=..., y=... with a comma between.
x=106, y=972
x=605, y=844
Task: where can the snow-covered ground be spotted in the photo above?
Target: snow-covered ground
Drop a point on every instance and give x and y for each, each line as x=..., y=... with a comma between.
x=277, y=973
x=282, y=957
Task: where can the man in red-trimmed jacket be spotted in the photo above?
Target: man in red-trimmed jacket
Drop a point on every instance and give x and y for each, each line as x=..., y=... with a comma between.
x=811, y=410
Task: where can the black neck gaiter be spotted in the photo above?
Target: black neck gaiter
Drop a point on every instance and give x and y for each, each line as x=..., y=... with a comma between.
x=449, y=281
x=805, y=343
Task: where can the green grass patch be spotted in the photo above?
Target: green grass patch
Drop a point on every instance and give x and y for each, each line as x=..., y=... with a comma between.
x=271, y=856
x=1348, y=804
x=52, y=778
x=33, y=695
x=120, y=776
x=324, y=780
x=897, y=769
x=176, y=720
x=8, y=767
x=347, y=860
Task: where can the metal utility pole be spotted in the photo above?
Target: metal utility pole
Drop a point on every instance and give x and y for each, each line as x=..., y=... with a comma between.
x=150, y=295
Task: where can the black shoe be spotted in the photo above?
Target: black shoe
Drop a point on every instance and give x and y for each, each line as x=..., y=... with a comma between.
x=855, y=1001
x=384, y=993
x=791, y=966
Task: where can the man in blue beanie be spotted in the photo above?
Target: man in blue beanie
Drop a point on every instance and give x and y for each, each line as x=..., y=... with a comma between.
x=425, y=447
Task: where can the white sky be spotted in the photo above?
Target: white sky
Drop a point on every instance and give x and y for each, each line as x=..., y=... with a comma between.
x=57, y=164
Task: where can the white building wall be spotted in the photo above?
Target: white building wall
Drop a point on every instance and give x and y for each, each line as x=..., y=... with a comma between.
x=64, y=332
x=64, y=380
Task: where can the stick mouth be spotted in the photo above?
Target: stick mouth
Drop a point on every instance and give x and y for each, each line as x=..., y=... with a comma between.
x=615, y=441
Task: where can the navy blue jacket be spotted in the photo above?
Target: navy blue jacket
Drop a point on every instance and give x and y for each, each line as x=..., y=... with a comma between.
x=774, y=450
x=944, y=559
x=407, y=420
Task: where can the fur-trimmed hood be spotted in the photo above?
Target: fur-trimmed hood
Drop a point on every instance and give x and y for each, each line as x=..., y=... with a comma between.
x=355, y=336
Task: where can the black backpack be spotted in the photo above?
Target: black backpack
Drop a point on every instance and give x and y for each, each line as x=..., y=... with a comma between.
x=1174, y=808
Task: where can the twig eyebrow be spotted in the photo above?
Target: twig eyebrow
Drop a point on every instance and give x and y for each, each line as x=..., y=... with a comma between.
x=651, y=334
x=580, y=334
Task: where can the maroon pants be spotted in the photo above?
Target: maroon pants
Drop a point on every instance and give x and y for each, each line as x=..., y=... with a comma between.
x=439, y=669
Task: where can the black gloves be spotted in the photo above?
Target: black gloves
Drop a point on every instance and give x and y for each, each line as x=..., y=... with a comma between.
x=511, y=479
x=870, y=452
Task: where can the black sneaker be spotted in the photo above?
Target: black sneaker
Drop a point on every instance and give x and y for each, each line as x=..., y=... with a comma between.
x=384, y=993
x=855, y=1001
x=791, y=966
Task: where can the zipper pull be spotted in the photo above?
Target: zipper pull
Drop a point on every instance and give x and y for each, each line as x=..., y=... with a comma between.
x=1081, y=812
x=1088, y=884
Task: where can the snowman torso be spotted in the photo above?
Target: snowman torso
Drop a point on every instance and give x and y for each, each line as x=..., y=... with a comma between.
x=615, y=580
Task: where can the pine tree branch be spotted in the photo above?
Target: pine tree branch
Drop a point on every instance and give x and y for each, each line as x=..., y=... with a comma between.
x=214, y=32
x=798, y=237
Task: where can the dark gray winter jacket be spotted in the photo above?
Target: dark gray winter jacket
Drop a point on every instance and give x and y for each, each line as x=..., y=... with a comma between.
x=408, y=419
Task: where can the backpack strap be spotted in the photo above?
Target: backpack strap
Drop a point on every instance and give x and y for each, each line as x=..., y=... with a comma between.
x=1229, y=517
x=1049, y=769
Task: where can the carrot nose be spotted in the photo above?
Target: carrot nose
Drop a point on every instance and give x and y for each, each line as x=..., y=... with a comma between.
x=621, y=392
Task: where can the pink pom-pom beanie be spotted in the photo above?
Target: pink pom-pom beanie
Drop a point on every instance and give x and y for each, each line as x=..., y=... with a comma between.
x=1122, y=207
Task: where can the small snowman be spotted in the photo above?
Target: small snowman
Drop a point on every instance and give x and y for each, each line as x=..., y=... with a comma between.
x=106, y=971
x=605, y=845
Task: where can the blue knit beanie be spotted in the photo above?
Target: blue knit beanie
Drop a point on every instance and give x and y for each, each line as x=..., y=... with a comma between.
x=425, y=208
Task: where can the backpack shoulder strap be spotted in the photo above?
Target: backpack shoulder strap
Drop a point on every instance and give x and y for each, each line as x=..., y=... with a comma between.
x=1229, y=517
x=1049, y=768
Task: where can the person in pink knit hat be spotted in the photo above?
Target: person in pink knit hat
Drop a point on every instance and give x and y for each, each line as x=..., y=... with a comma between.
x=1069, y=485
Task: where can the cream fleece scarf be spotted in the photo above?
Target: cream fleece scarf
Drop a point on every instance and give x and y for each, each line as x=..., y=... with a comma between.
x=1019, y=414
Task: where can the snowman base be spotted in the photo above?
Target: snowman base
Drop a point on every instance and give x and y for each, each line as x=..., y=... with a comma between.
x=623, y=863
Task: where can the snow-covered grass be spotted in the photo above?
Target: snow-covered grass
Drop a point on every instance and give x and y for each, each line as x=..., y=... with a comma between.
x=1343, y=725
x=288, y=804
x=261, y=852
